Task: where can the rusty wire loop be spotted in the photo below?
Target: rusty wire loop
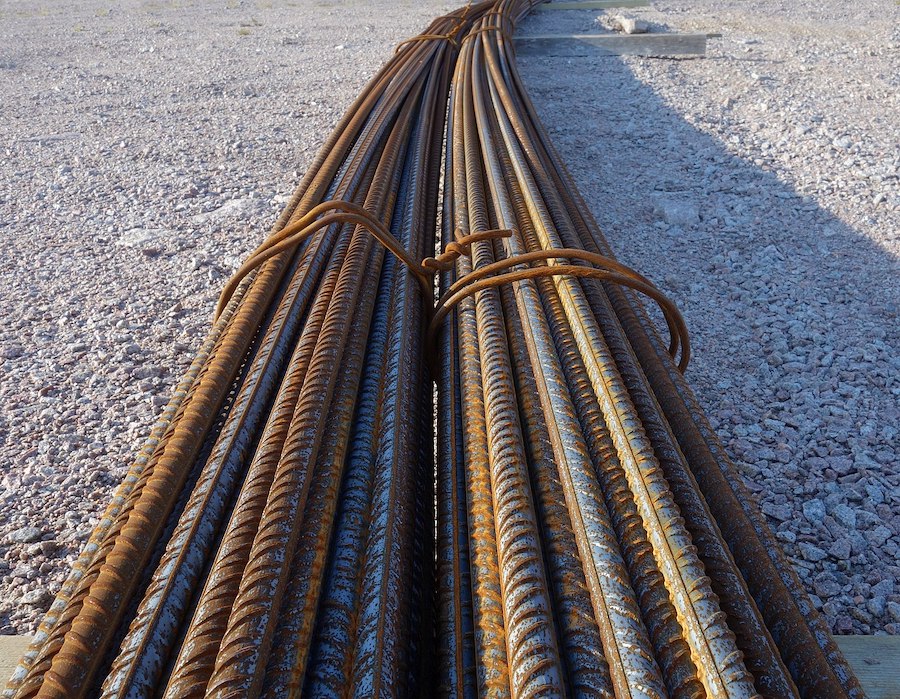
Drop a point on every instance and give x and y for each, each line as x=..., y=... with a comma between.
x=291, y=236
x=460, y=246
x=450, y=36
x=427, y=37
x=615, y=272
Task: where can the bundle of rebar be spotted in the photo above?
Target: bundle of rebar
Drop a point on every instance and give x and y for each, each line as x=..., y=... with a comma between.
x=277, y=535
x=593, y=538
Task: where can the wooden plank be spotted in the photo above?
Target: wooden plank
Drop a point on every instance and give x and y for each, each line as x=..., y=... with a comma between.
x=591, y=4
x=11, y=650
x=876, y=662
x=612, y=45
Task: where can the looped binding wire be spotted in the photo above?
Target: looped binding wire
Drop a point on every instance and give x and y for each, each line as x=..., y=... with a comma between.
x=460, y=18
x=461, y=246
x=343, y=212
x=427, y=37
x=492, y=275
x=602, y=268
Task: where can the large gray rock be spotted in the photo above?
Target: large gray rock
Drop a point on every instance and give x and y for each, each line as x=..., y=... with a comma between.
x=25, y=535
x=677, y=210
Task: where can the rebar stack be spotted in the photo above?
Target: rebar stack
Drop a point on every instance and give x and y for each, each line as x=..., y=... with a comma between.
x=593, y=538
x=276, y=536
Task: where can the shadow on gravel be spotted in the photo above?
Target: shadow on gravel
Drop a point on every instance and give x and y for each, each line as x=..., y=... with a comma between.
x=793, y=315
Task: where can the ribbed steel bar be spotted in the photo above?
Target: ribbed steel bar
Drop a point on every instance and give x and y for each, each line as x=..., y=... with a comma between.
x=671, y=650
x=387, y=625
x=288, y=662
x=210, y=619
x=581, y=644
x=456, y=650
x=389, y=657
x=332, y=646
x=144, y=652
x=70, y=673
x=816, y=664
x=713, y=651
x=656, y=609
x=489, y=632
x=531, y=642
x=194, y=665
x=628, y=648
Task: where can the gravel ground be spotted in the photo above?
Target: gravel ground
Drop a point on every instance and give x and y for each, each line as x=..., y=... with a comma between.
x=148, y=146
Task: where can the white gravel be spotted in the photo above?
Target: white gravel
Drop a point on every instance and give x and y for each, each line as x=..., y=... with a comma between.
x=148, y=146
